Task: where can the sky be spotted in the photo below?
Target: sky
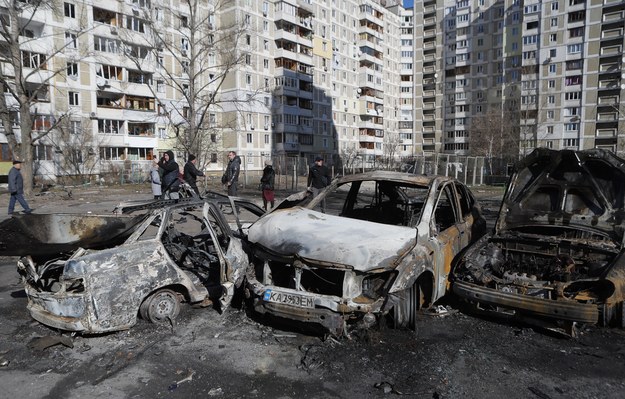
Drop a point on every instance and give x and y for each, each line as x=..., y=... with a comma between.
x=408, y=3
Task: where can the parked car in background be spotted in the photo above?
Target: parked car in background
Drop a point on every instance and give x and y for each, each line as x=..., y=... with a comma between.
x=555, y=257
x=184, y=250
x=384, y=247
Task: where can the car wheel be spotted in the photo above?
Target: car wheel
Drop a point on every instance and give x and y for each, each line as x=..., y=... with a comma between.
x=406, y=311
x=161, y=306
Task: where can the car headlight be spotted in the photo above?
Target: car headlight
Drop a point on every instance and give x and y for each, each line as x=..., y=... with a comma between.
x=376, y=285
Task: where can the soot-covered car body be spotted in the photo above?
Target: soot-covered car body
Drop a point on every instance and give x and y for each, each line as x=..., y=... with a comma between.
x=184, y=250
x=386, y=242
x=556, y=254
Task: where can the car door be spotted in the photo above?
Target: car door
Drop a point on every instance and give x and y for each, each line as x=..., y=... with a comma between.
x=448, y=230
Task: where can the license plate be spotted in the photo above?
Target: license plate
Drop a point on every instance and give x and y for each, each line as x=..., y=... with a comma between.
x=301, y=301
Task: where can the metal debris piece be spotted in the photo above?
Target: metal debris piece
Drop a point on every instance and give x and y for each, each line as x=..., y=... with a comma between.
x=41, y=343
x=189, y=377
x=4, y=362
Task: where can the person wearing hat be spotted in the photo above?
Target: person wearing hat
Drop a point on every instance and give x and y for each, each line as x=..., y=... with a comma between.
x=318, y=178
x=191, y=173
x=16, y=188
x=267, y=184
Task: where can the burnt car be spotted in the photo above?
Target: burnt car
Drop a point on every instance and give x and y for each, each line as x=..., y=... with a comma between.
x=555, y=257
x=384, y=247
x=182, y=250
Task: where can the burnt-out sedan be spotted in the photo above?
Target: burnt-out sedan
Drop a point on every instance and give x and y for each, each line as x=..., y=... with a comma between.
x=183, y=250
x=555, y=257
x=384, y=246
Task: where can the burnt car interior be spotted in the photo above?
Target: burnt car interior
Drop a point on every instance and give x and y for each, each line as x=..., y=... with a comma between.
x=384, y=202
x=190, y=245
x=554, y=232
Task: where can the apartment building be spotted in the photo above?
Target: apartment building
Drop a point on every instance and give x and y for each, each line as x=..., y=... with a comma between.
x=129, y=79
x=551, y=70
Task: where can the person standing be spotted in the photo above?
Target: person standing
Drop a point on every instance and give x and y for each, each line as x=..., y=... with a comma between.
x=16, y=188
x=191, y=172
x=170, y=182
x=267, y=182
x=232, y=173
x=318, y=178
x=155, y=179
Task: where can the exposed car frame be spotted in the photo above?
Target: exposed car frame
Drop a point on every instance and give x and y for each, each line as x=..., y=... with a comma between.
x=555, y=257
x=351, y=266
x=184, y=250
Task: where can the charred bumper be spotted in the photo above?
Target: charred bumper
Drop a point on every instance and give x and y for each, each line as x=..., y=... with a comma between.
x=539, y=307
x=65, y=313
x=333, y=322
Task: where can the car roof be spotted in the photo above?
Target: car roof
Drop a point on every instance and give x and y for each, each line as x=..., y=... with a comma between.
x=399, y=177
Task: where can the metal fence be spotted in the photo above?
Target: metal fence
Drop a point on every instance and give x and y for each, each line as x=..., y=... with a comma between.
x=292, y=171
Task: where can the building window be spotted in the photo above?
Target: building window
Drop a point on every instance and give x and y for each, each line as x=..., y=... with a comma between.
x=70, y=40
x=552, y=68
x=551, y=83
x=72, y=70
x=248, y=138
x=161, y=133
x=553, y=37
x=75, y=127
x=549, y=129
x=554, y=6
x=69, y=10
x=73, y=98
x=551, y=99
x=550, y=114
x=554, y=22
x=574, y=48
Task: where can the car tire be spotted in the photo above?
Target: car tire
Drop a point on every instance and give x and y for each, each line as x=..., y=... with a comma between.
x=161, y=306
x=412, y=300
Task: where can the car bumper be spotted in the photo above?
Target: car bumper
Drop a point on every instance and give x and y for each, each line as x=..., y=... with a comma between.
x=333, y=322
x=539, y=307
x=65, y=313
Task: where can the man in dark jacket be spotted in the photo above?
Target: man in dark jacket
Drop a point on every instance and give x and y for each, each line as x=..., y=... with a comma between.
x=170, y=181
x=191, y=173
x=232, y=173
x=318, y=178
x=16, y=188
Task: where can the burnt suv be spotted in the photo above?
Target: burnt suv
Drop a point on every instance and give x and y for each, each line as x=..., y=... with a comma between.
x=555, y=257
x=384, y=247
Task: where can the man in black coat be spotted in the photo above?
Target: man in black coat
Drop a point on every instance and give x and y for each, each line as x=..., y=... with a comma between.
x=16, y=188
x=319, y=177
x=191, y=172
x=170, y=181
x=232, y=173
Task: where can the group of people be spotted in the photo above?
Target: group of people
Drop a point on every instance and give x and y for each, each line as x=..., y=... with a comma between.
x=165, y=178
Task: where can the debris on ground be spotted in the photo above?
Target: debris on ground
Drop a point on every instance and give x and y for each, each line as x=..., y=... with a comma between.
x=41, y=343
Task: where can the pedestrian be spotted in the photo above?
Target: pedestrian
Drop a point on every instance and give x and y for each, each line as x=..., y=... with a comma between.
x=191, y=172
x=155, y=179
x=16, y=188
x=170, y=184
x=267, y=184
x=318, y=178
x=231, y=177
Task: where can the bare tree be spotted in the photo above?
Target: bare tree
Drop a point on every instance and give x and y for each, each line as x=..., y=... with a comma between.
x=392, y=141
x=195, y=57
x=495, y=134
x=29, y=53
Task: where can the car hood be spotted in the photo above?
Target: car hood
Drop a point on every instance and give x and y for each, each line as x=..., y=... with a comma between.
x=570, y=189
x=332, y=240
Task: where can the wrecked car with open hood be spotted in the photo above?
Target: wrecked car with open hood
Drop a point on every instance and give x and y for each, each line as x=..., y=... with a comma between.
x=183, y=250
x=383, y=247
x=555, y=257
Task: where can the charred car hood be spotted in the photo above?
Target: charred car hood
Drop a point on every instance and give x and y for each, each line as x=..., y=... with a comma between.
x=333, y=240
x=568, y=189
